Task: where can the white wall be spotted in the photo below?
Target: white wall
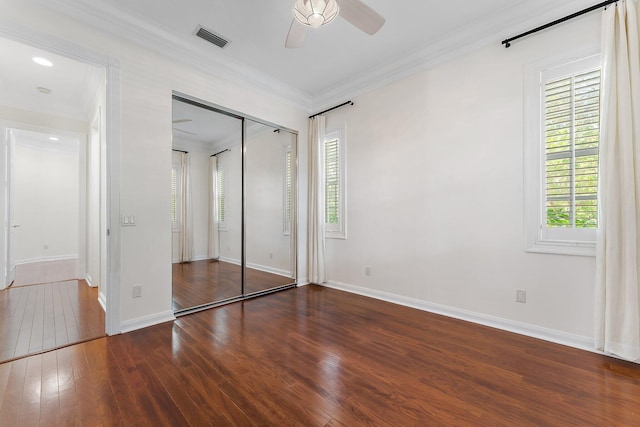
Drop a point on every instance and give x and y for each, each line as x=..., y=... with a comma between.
x=21, y=119
x=435, y=191
x=268, y=247
x=46, y=183
x=147, y=81
x=231, y=235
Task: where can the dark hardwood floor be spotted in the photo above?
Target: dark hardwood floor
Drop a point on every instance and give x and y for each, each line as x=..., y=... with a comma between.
x=37, y=318
x=202, y=282
x=315, y=356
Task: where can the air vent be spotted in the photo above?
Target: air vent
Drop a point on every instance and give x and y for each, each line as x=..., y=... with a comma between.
x=211, y=37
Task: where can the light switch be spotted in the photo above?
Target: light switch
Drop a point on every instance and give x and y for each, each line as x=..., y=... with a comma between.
x=128, y=220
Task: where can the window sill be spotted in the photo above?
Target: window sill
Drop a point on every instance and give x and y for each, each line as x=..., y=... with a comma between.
x=335, y=235
x=564, y=248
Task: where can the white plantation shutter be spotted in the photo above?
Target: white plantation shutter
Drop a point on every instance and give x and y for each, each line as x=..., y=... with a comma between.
x=332, y=182
x=571, y=139
x=222, y=209
x=288, y=188
x=174, y=196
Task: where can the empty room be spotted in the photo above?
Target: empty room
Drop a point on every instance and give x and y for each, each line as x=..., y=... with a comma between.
x=320, y=212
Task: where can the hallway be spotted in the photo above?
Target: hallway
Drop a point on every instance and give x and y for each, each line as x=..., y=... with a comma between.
x=42, y=317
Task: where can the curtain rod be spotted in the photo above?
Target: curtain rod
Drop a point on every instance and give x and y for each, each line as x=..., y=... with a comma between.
x=180, y=151
x=219, y=152
x=507, y=42
x=332, y=108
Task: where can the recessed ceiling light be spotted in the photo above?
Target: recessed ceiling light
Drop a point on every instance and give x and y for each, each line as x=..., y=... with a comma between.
x=53, y=138
x=42, y=61
x=44, y=90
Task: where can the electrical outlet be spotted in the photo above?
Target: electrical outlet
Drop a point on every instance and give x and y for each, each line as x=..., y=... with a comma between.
x=367, y=270
x=136, y=291
x=270, y=255
x=521, y=295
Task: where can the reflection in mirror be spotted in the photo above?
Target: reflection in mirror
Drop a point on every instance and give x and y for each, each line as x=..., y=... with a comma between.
x=270, y=184
x=206, y=183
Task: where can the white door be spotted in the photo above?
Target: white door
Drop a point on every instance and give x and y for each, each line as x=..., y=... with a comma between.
x=13, y=227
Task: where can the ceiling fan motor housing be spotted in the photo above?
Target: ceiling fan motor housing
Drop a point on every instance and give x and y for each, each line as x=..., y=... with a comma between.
x=315, y=13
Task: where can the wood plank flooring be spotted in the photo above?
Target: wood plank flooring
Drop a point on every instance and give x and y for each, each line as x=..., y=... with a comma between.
x=37, y=318
x=202, y=282
x=315, y=356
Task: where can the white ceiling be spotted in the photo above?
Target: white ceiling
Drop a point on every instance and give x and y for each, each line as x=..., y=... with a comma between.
x=73, y=84
x=208, y=129
x=335, y=61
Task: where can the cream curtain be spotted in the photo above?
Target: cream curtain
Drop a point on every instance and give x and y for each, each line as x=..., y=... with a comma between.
x=316, y=244
x=186, y=227
x=618, y=258
x=213, y=250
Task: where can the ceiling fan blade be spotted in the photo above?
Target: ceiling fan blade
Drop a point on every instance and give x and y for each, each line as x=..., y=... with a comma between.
x=184, y=131
x=181, y=121
x=296, y=36
x=361, y=15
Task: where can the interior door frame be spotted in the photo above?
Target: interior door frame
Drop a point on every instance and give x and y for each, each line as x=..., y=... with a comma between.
x=9, y=146
x=113, y=127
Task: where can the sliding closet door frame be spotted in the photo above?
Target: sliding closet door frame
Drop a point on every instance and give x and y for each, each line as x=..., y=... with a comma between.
x=178, y=96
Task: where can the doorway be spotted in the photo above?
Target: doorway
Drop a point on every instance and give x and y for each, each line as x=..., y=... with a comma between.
x=53, y=287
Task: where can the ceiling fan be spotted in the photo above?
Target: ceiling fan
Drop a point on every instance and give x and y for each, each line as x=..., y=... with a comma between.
x=315, y=13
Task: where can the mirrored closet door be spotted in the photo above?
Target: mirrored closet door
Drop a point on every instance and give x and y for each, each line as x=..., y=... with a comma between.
x=270, y=166
x=233, y=192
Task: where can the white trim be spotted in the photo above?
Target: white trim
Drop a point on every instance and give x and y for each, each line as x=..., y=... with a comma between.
x=480, y=34
x=229, y=260
x=22, y=34
x=532, y=158
x=47, y=259
x=340, y=230
x=268, y=269
x=89, y=280
x=146, y=321
x=102, y=301
x=260, y=267
x=551, y=335
x=180, y=48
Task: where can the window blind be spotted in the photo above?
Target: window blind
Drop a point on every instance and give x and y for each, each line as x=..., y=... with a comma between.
x=571, y=131
x=222, y=210
x=288, y=189
x=332, y=181
x=174, y=195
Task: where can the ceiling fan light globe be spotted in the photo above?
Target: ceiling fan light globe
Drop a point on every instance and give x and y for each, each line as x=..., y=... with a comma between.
x=316, y=20
x=315, y=13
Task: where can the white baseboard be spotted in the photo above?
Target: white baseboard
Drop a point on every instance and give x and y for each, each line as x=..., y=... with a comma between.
x=146, y=321
x=265, y=268
x=552, y=335
x=89, y=280
x=102, y=300
x=46, y=270
x=229, y=260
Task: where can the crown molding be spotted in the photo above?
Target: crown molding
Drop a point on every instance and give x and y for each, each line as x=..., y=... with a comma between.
x=484, y=32
x=112, y=21
x=491, y=30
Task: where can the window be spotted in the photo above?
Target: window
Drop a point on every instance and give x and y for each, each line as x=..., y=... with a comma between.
x=220, y=191
x=174, y=196
x=287, y=189
x=567, y=144
x=334, y=184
